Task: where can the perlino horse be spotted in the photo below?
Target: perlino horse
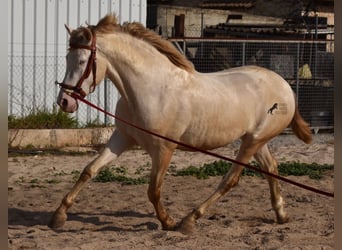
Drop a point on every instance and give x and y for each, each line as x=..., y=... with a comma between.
x=162, y=92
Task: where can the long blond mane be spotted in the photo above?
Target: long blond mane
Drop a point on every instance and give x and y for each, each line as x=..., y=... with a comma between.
x=109, y=24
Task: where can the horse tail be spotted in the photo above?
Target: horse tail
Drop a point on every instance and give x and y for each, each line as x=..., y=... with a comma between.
x=300, y=127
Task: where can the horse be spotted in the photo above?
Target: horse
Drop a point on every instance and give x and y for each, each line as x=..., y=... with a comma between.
x=162, y=92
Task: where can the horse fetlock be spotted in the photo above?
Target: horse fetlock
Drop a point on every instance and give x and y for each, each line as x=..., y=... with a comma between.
x=168, y=223
x=58, y=219
x=278, y=206
x=85, y=176
x=67, y=202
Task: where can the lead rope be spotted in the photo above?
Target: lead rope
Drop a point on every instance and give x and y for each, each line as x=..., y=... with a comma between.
x=329, y=194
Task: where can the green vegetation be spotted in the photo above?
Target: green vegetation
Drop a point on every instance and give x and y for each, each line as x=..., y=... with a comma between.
x=117, y=174
x=30, y=150
x=45, y=119
x=219, y=168
x=313, y=170
x=216, y=168
x=42, y=119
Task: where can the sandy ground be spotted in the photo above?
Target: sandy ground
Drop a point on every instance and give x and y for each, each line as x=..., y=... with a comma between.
x=116, y=216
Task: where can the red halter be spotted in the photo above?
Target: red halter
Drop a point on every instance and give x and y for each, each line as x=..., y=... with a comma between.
x=91, y=66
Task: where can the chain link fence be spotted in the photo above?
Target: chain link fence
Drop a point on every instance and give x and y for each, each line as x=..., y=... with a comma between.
x=308, y=66
x=32, y=87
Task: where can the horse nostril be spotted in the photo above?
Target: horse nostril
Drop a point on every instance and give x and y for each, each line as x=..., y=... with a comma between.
x=64, y=102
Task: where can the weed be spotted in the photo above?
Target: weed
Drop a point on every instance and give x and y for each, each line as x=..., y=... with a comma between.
x=172, y=169
x=313, y=170
x=220, y=168
x=52, y=181
x=75, y=175
x=140, y=170
x=35, y=183
x=110, y=175
x=216, y=168
x=61, y=173
x=42, y=119
x=120, y=170
x=21, y=179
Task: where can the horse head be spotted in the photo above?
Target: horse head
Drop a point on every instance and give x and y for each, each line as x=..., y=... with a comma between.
x=82, y=74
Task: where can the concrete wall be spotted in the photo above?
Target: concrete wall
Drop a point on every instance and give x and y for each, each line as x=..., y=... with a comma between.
x=57, y=138
x=196, y=18
x=193, y=19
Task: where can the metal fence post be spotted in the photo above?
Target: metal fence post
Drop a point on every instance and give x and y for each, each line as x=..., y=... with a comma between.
x=45, y=51
x=297, y=67
x=56, y=45
x=23, y=60
x=184, y=47
x=34, y=105
x=243, y=53
x=106, y=100
x=12, y=58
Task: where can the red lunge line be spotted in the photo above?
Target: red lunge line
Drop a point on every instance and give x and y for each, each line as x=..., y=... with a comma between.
x=205, y=151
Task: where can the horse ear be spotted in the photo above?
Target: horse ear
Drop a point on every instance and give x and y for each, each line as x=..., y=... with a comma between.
x=87, y=35
x=68, y=28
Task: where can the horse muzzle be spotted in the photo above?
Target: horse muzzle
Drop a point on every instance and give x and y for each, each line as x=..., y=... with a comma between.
x=67, y=103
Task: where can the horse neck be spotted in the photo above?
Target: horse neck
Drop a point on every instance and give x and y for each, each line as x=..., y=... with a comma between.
x=135, y=66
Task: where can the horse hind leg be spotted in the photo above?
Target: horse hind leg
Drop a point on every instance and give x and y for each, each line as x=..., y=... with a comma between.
x=116, y=145
x=231, y=179
x=268, y=163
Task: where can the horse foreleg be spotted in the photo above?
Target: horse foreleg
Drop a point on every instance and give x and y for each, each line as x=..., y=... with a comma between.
x=230, y=180
x=268, y=163
x=116, y=145
x=160, y=163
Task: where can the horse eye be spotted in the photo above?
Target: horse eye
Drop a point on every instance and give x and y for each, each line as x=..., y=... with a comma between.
x=82, y=62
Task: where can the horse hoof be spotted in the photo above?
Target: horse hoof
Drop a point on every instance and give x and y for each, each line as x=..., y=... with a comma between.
x=57, y=220
x=170, y=225
x=283, y=220
x=186, y=226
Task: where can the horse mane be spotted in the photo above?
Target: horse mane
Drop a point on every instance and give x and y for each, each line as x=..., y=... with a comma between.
x=109, y=24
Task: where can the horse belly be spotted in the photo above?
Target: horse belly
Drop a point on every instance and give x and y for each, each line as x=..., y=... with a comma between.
x=211, y=134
